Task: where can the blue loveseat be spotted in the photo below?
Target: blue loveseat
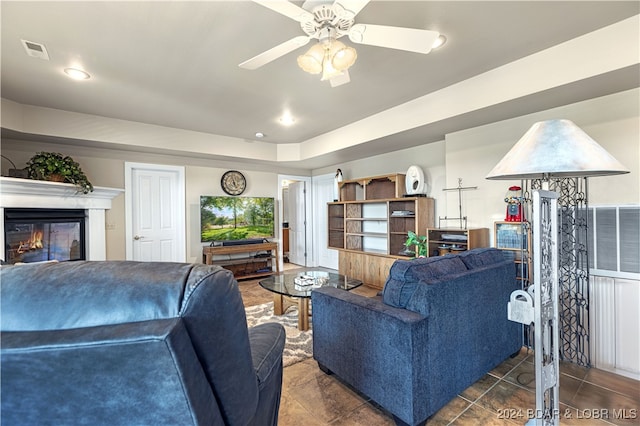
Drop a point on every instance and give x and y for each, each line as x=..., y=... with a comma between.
x=134, y=343
x=439, y=326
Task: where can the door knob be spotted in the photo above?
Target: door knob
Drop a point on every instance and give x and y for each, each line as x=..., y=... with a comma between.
x=138, y=237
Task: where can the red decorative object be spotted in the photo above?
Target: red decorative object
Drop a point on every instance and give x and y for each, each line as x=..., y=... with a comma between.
x=514, y=204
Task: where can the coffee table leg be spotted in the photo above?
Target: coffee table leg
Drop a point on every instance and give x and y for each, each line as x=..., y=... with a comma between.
x=303, y=310
x=278, y=304
x=303, y=313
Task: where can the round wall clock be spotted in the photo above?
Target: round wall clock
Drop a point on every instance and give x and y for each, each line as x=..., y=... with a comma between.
x=233, y=182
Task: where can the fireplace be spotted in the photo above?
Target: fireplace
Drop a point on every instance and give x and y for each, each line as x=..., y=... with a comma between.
x=27, y=194
x=37, y=235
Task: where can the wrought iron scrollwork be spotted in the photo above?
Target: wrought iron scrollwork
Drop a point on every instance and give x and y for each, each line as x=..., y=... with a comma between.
x=573, y=264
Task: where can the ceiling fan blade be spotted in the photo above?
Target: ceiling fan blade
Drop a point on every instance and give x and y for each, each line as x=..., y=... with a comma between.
x=347, y=9
x=341, y=79
x=411, y=39
x=287, y=9
x=274, y=53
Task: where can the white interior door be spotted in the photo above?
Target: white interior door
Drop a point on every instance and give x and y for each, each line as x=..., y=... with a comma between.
x=323, y=192
x=155, y=213
x=297, y=224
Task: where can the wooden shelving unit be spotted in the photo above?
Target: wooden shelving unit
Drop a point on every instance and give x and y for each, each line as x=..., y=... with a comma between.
x=450, y=240
x=373, y=188
x=370, y=223
x=400, y=224
x=336, y=225
x=256, y=260
x=516, y=238
x=378, y=227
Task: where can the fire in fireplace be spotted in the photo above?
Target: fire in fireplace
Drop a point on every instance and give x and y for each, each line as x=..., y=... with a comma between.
x=35, y=235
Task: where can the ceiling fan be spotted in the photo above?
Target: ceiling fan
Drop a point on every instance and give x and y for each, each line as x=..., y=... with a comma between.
x=327, y=21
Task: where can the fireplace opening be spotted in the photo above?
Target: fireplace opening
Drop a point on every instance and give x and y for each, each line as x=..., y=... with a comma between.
x=36, y=235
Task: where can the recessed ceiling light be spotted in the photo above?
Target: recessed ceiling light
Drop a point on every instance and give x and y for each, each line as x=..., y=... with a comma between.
x=287, y=119
x=439, y=41
x=77, y=74
x=259, y=135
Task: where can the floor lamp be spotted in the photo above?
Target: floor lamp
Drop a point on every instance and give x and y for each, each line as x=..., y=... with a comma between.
x=549, y=149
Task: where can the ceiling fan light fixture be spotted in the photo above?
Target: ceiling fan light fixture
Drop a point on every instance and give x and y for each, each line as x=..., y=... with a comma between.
x=329, y=20
x=328, y=71
x=311, y=61
x=342, y=56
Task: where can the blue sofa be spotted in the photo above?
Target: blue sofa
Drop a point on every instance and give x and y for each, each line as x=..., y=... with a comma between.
x=134, y=343
x=439, y=326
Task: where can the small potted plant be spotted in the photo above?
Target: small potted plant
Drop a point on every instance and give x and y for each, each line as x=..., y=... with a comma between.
x=55, y=167
x=420, y=241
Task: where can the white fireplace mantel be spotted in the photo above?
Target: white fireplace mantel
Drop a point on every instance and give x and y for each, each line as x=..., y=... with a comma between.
x=26, y=193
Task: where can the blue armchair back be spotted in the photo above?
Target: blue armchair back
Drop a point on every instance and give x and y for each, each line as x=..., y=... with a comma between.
x=134, y=343
x=439, y=326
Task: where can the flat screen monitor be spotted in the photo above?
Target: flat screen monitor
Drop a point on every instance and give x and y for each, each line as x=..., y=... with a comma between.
x=226, y=218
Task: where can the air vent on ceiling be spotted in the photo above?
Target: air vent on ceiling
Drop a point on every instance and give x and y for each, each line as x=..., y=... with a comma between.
x=36, y=50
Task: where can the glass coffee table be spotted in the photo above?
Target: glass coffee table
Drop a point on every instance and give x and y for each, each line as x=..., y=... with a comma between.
x=299, y=285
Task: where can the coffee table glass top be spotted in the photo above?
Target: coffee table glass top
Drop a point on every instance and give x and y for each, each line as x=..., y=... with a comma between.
x=293, y=283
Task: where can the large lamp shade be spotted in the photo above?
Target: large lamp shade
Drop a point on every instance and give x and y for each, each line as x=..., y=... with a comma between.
x=556, y=148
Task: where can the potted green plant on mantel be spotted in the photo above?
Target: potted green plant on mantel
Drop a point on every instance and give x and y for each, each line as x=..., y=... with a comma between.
x=419, y=241
x=55, y=167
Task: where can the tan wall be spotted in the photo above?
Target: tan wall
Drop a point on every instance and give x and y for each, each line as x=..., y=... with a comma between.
x=612, y=121
x=106, y=168
x=430, y=157
x=206, y=181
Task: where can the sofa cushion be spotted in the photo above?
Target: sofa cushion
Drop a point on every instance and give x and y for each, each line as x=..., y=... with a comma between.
x=405, y=275
x=482, y=257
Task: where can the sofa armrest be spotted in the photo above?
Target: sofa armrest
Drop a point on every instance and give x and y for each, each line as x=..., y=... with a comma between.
x=370, y=345
x=373, y=304
x=267, y=346
x=145, y=372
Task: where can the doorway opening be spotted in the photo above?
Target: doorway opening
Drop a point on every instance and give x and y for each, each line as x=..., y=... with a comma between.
x=296, y=226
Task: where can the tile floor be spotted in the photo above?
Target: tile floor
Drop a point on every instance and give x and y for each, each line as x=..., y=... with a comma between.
x=505, y=396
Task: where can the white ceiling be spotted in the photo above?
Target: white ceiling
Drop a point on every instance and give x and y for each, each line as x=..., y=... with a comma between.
x=175, y=64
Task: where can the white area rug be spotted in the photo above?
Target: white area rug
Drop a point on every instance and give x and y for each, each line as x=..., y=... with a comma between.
x=299, y=344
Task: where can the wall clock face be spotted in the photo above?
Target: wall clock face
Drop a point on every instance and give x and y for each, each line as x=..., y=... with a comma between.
x=233, y=182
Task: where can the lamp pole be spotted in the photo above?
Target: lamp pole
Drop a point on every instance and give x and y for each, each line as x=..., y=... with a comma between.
x=546, y=315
